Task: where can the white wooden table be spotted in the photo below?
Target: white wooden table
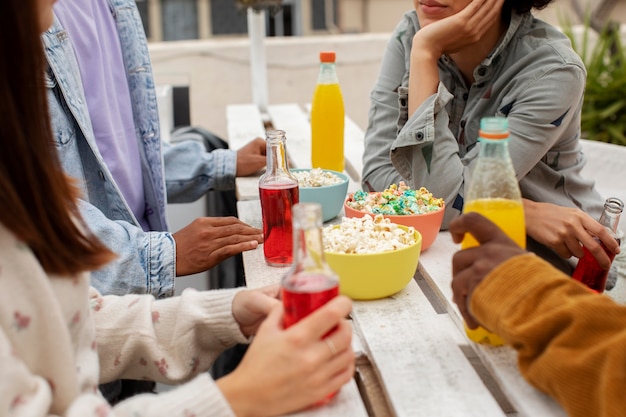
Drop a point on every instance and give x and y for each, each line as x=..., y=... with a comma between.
x=422, y=364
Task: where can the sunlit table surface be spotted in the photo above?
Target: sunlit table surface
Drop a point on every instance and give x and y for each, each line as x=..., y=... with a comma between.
x=414, y=341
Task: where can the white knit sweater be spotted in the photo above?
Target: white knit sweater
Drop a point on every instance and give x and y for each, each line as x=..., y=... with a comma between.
x=59, y=339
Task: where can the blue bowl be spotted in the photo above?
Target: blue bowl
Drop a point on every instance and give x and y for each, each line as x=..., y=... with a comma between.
x=330, y=197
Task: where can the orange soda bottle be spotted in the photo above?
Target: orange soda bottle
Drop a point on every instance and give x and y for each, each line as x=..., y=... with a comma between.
x=494, y=192
x=327, y=118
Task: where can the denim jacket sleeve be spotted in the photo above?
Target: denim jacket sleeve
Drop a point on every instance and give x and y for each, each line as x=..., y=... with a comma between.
x=190, y=171
x=146, y=262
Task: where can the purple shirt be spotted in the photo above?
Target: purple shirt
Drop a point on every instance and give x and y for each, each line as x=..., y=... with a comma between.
x=91, y=29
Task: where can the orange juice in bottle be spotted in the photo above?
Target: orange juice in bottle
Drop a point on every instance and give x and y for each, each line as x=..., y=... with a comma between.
x=327, y=118
x=507, y=214
x=494, y=192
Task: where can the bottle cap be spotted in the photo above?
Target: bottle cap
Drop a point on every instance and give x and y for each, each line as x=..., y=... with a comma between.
x=494, y=128
x=327, y=57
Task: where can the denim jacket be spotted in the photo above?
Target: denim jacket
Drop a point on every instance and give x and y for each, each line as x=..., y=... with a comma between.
x=146, y=261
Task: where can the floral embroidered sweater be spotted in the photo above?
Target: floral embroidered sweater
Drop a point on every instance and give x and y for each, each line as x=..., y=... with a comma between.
x=59, y=338
x=571, y=343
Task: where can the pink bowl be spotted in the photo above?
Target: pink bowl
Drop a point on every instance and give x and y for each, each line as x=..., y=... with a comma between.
x=427, y=224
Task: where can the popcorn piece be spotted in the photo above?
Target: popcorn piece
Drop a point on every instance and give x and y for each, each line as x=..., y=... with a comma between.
x=366, y=235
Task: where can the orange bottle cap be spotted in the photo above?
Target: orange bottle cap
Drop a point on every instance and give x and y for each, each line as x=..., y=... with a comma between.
x=493, y=135
x=327, y=57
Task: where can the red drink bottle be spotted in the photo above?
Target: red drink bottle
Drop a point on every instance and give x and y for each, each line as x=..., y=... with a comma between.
x=310, y=283
x=588, y=271
x=278, y=191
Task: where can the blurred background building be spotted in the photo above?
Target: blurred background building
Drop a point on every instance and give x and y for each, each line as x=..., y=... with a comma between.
x=168, y=20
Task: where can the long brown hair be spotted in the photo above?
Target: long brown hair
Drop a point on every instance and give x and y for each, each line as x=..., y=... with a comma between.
x=37, y=202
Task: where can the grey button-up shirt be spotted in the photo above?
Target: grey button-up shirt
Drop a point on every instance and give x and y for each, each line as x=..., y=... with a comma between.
x=533, y=77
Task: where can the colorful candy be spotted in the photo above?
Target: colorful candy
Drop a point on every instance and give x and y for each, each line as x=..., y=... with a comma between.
x=396, y=200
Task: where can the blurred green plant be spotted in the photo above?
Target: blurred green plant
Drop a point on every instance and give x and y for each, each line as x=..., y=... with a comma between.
x=604, y=108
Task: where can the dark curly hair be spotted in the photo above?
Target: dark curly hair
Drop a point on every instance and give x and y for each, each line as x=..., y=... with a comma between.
x=524, y=6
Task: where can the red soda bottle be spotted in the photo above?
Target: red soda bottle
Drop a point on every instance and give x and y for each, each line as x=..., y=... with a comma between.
x=310, y=283
x=588, y=271
x=278, y=191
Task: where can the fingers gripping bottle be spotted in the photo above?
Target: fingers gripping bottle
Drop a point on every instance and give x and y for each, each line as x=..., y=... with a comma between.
x=494, y=192
x=310, y=282
x=278, y=191
x=327, y=118
x=588, y=271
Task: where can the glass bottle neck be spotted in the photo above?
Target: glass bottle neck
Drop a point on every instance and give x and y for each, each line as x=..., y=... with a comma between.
x=613, y=208
x=327, y=74
x=277, y=174
x=276, y=156
x=308, y=249
x=308, y=246
x=498, y=148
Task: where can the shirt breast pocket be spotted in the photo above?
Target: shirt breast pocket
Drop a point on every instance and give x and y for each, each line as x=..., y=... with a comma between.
x=63, y=127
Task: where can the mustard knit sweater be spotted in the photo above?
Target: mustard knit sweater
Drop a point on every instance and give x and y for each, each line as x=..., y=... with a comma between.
x=571, y=343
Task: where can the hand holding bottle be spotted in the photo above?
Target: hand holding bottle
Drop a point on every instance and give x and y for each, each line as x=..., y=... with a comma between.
x=285, y=370
x=567, y=230
x=470, y=266
x=494, y=193
x=251, y=307
x=588, y=270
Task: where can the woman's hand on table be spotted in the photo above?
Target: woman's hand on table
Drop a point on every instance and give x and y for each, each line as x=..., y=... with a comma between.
x=470, y=266
x=251, y=307
x=565, y=229
x=286, y=370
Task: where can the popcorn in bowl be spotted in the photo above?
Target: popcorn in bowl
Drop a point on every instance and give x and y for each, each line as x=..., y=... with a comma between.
x=323, y=186
x=367, y=234
x=316, y=177
x=396, y=200
x=372, y=256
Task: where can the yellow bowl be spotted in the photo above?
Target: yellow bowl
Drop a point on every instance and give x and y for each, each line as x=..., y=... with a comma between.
x=375, y=275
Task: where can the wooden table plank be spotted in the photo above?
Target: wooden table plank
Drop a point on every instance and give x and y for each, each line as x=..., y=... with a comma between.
x=422, y=368
x=436, y=268
x=259, y=274
x=294, y=121
x=347, y=403
x=244, y=123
